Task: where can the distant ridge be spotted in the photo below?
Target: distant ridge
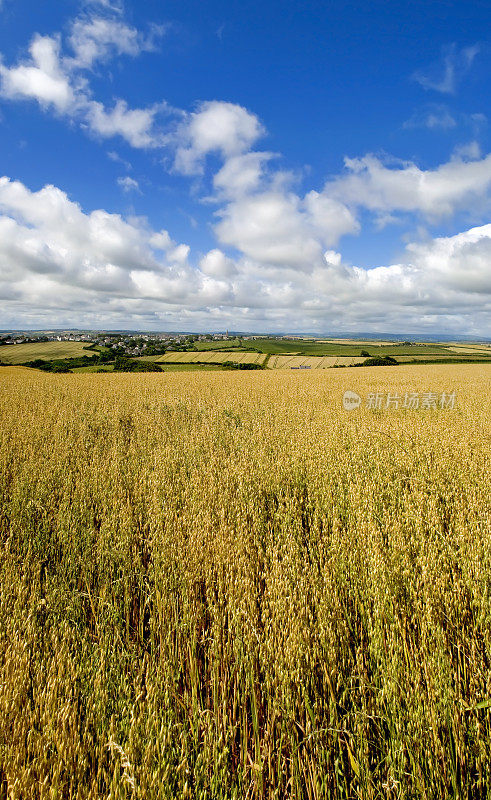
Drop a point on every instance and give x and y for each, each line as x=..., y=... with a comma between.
x=414, y=337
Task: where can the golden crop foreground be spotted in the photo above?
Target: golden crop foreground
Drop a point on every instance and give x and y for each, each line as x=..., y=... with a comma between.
x=224, y=585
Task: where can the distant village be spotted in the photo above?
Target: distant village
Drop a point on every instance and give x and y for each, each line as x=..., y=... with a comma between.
x=131, y=344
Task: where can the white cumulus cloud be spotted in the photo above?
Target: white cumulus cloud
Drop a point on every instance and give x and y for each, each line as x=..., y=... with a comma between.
x=224, y=128
x=136, y=125
x=40, y=77
x=435, y=193
x=97, y=38
x=128, y=184
x=57, y=80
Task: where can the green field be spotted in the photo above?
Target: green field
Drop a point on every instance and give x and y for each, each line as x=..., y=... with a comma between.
x=324, y=348
x=222, y=345
x=94, y=368
x=48, y=351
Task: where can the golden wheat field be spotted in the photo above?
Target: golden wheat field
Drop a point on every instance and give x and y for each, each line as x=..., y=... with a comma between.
x=225, y=585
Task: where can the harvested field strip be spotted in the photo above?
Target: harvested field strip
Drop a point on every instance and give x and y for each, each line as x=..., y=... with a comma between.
x=464, y=355
x=471, y=350
x=312, y=362
x=212, y=357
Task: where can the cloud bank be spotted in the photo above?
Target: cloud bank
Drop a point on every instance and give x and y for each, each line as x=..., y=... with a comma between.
x=100, y=268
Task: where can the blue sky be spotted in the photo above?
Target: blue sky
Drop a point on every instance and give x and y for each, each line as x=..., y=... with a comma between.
x=255, y=166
